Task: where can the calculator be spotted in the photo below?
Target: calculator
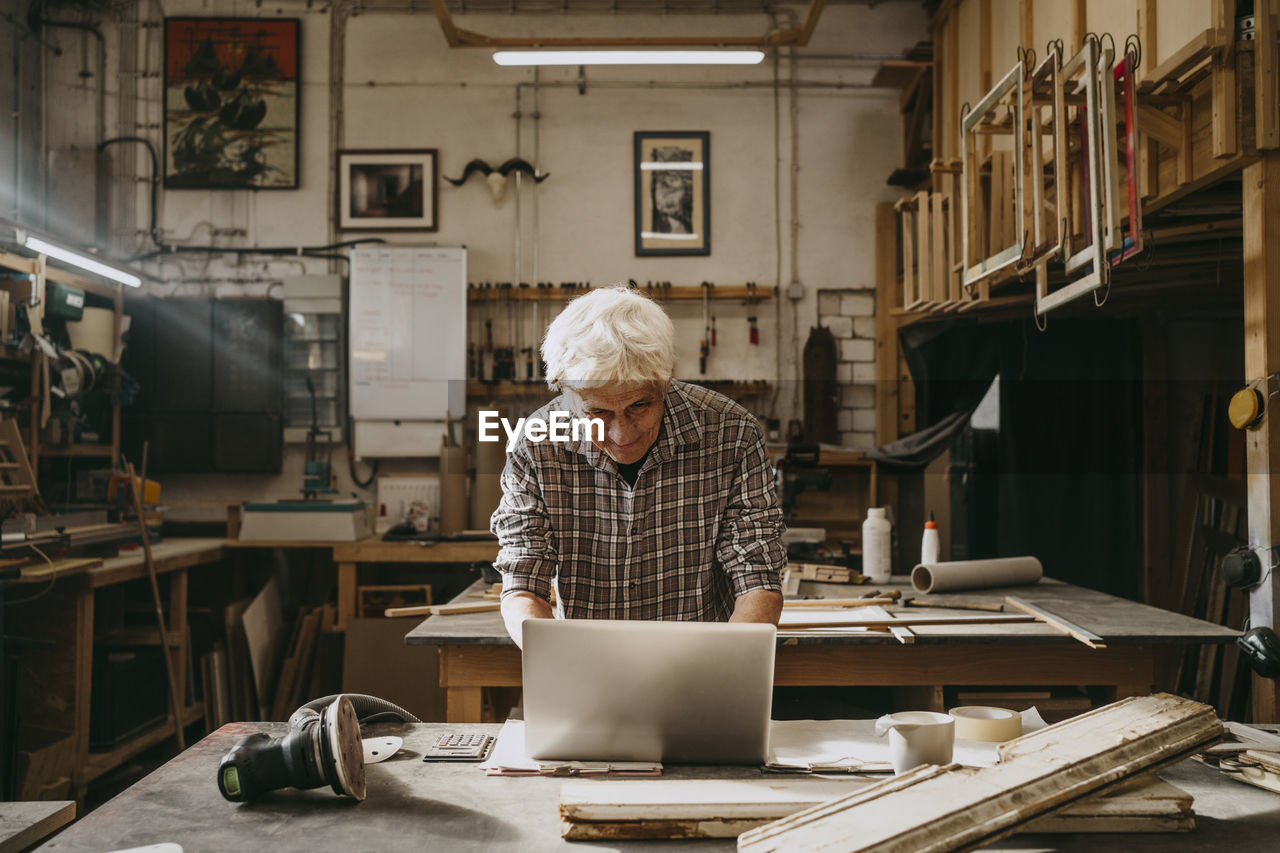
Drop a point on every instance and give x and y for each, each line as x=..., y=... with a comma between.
x=460, y=746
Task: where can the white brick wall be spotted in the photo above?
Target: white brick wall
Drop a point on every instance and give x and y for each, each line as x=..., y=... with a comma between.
x=850, y=316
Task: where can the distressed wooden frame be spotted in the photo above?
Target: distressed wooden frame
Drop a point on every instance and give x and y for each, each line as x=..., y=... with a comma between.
x=976, y=121
x=1047, y=240
x=1127, y=242
x=1088, y=206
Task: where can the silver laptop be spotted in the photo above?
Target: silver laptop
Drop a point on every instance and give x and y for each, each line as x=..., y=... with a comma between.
x=679, y=692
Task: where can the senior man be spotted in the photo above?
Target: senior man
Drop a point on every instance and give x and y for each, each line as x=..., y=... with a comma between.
x=670, y=514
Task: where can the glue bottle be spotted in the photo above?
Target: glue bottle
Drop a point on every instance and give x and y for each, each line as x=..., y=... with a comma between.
x=876, y=544
x=929, y=543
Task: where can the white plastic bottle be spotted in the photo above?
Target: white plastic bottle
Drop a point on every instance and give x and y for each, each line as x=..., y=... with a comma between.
x=929, y=544
x=877, y=563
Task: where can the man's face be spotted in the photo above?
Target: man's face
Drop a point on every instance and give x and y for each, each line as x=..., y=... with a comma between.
x=632, y=415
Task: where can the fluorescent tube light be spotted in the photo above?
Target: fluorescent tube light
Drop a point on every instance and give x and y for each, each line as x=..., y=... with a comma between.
x=628, y=57
x=83, y=261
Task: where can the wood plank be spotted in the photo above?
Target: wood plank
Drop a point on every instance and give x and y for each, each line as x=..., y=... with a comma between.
x=1089, y=638
x=1266, y=68
x=886, y=326
x=817, y=619
x=1149, y=150
x=1261, y=189
x=626, y=809
x=949, y=808
x=24, y=825
x=1225, y=137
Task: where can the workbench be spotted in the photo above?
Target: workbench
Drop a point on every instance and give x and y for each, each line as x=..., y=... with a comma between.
x=415, y=806
x=58, y=622
x=475, y=651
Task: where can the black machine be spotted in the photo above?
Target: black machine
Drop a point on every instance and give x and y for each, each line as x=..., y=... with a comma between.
x=798, y=472
x=323, y=747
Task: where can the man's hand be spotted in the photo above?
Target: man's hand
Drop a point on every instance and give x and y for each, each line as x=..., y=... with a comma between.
x=758, y=605
x=520, y=606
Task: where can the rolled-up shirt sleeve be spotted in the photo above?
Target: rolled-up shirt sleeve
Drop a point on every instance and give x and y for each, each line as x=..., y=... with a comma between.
x=749, y=548
x=526, y=555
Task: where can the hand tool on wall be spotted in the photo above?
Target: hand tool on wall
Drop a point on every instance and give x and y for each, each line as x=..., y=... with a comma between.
x=753, y=331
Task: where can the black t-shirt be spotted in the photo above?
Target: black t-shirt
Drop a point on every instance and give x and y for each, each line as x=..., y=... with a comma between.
x=631, y=471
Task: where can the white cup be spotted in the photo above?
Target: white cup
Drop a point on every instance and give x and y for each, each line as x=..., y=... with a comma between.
x=918, y=737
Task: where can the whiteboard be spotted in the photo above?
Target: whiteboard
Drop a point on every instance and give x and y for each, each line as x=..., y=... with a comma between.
x=408, y=327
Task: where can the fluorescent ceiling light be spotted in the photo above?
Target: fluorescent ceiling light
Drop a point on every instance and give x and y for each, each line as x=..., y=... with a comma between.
x=81, y=260
x=628, y=57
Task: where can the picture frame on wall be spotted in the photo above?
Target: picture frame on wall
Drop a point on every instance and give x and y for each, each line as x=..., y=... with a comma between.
x=387, y=190
x=231, y=93
x=673, y=192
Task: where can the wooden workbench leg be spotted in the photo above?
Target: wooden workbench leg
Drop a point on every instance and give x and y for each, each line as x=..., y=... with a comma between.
x=177, y=623
x=463, y=705
x=83, y=685
x=1261, y=191
x=346, y=594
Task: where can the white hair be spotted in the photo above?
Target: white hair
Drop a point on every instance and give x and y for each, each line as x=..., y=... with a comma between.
x=612, y=334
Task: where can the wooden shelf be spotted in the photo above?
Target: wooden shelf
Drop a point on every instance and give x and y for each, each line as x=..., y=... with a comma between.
x=102, y=450
x=738, y=292
x=104, y=762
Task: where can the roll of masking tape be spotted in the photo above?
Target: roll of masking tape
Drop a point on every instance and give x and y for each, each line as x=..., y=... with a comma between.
x=995, y=725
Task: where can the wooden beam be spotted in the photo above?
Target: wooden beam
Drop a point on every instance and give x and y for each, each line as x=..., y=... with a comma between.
x=1225, y=142
x=984, y=43
x=1266, y=66
x=1026, y=26
x=1079, y=25
x=1261, y=190
x=1148, y=150
x=456, y=36
x=1167, y=74
x=886, y=325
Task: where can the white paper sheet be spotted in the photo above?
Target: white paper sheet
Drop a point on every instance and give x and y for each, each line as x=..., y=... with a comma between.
x=509, y=758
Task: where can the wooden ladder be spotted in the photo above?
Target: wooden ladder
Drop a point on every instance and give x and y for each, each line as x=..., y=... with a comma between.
x=17, y=483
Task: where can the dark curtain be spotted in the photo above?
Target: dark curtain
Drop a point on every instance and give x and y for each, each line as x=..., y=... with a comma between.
x=1069, y=458
x=1070, y=451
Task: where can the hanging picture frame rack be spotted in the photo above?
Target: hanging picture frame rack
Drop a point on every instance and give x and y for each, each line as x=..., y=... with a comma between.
x=999, y=112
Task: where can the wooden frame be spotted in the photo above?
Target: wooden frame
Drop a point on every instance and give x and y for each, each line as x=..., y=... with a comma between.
x=1085, y=185
x=673, y=192
x=387, y=190
x=231, y=128
x=1126, y=243
x=1046, y=238
x=795, y=36
x=978, y=120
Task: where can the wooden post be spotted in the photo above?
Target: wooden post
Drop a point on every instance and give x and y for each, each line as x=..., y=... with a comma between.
x=1148, y=149
x=1079, y=26
x=1266, y=65
x=1262, y=358
x=886, y=324
x=1224, y=81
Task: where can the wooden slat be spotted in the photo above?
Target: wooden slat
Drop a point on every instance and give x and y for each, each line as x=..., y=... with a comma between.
x=1225, y=137
x=886, y=325
x=1261, y=188
x=1089, y=638
x=952, y=808
x=1266, y=67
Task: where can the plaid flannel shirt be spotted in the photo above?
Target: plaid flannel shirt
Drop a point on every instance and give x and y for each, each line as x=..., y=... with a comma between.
x=701, y=526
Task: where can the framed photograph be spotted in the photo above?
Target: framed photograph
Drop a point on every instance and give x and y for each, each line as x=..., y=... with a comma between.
x=673, y=193
x=373, y=601
x=387, y=190
x=231, y=103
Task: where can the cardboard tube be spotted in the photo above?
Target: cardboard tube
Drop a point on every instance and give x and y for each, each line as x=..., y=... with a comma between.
x=976, y=574
x=453, y=489
x=994, y=725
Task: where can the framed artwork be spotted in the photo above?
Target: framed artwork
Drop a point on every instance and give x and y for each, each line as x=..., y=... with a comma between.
x=673, y=193
x=231, y=103
x=387, y=190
